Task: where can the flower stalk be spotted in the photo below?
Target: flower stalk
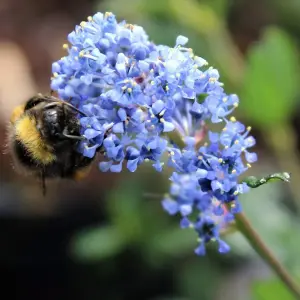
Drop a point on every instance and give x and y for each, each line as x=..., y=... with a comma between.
x=245, y=227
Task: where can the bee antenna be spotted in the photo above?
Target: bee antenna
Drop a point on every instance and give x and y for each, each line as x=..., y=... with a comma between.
x=76, y=109
x=67, y=104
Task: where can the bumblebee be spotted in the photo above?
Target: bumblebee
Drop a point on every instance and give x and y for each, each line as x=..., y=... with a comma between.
x=43, y=138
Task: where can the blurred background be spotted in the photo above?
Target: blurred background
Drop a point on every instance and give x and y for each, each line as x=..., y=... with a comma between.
x=107, y=237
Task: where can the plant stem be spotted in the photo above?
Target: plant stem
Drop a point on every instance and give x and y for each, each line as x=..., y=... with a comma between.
x=245, y=227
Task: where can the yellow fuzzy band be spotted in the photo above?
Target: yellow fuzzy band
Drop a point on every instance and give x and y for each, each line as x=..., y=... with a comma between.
x=16, y=114
x=27, y=133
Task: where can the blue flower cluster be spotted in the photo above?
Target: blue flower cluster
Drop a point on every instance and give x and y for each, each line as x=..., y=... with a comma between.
x=205, y=181
x=134, y=93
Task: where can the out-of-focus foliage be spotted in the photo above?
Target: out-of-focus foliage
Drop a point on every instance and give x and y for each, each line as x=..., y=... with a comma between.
x=271, y=81
x=271, y=289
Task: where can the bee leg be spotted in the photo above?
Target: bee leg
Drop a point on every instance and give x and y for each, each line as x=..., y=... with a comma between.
x=65, y=135
x=73, y=137
x=43, y=182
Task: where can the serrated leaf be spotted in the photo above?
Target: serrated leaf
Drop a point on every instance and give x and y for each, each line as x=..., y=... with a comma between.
x=271, y=78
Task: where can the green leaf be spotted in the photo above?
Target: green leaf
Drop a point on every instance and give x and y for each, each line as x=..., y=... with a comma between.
x=255, y=182
x=96, y=243
x=174, y=241
x=271, y=289
x=271, y=79
x=198, y=278
x=125, y=208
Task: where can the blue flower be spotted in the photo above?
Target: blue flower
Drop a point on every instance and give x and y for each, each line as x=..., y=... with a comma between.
x=133, y=93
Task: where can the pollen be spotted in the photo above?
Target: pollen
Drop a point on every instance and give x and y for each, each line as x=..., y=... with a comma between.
x=162, y=120
x=235, y=104
x=249, y=166
x=55, y=74
x=191, y=226
x=200, y=157
x=129, y=90
x=236, y=142
x=166, y=88
x=233, y=171
x=90, y=18
x=235, y=193
x=107, y=14
x=83, y=23
x=233, y=119
x=205, y=144
x=129, y=26
x=81, y=53
x=224, y=99
x=65, y=46
x=249, y=128
x=220, y=160
x=224, y=129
